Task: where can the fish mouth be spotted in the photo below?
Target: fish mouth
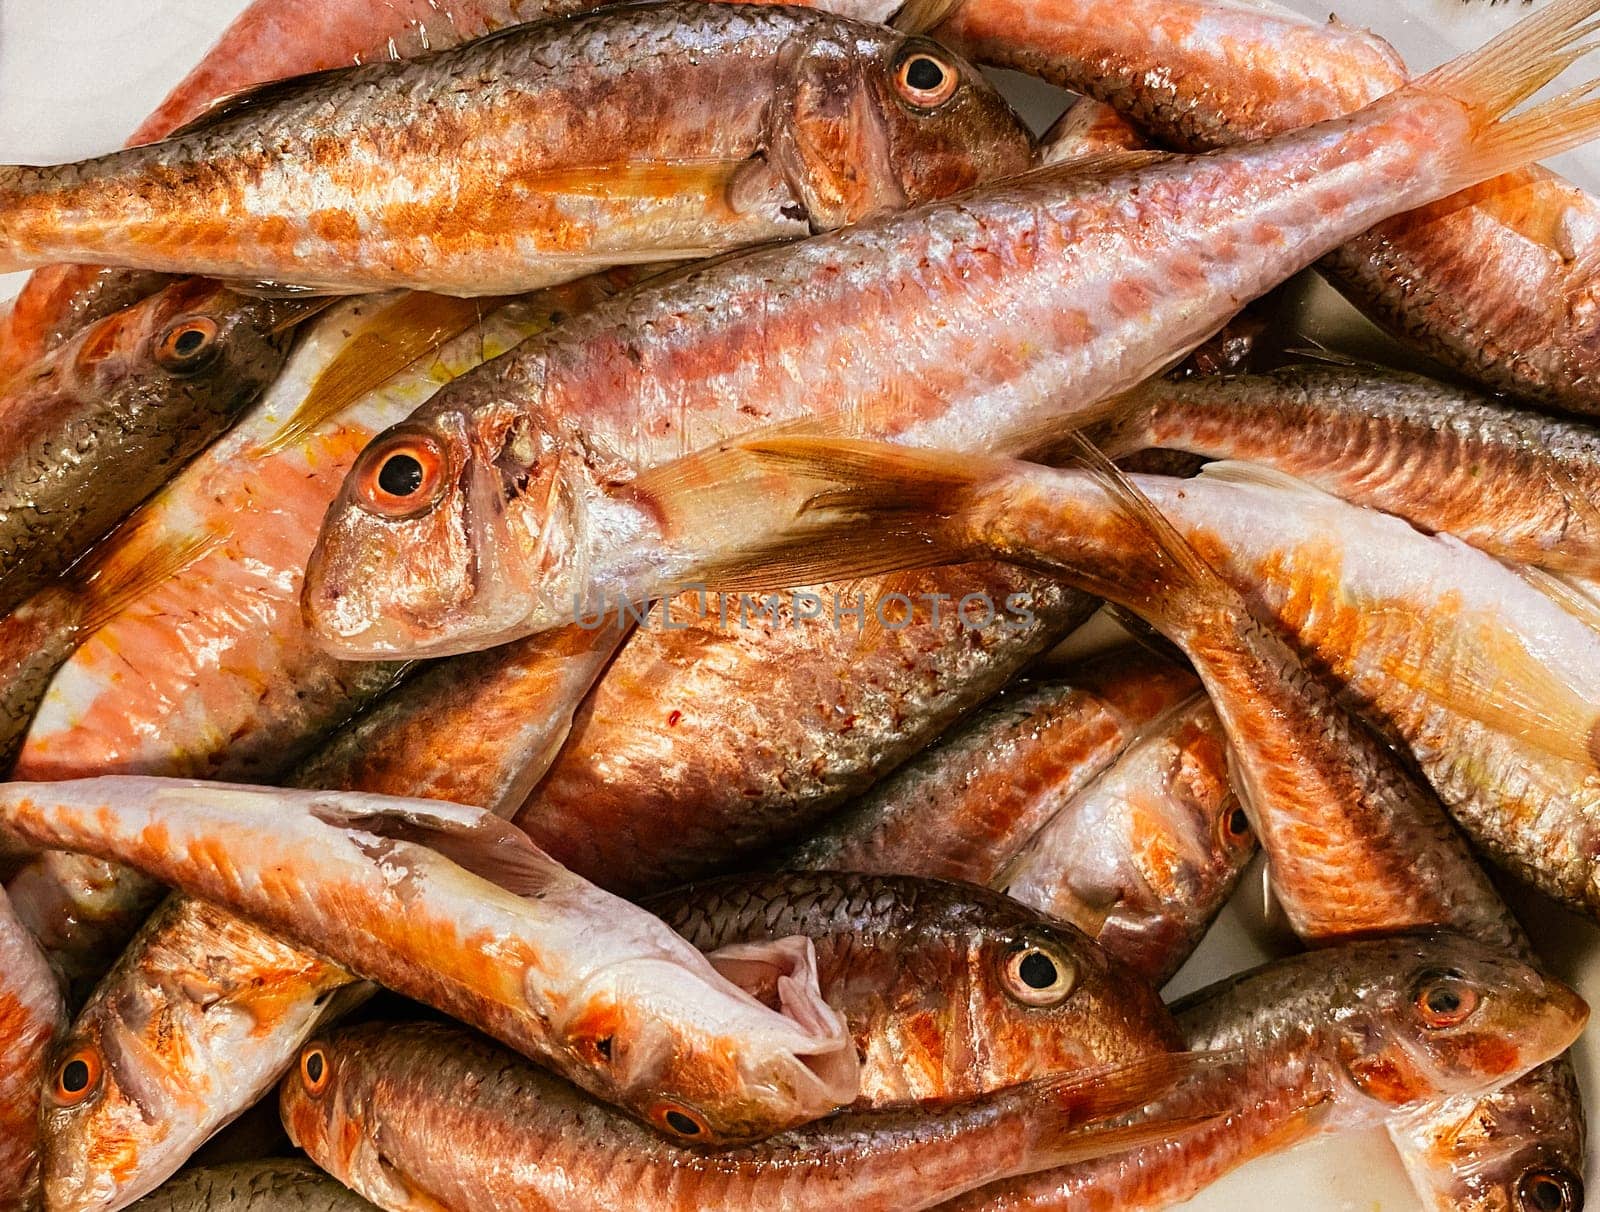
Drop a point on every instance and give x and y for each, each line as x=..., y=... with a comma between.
x=782, y=975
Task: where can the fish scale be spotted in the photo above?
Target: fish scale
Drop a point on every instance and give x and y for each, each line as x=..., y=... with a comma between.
x=918, y=967
x=971, y=324
x=1307, y=1024
x=330, y=181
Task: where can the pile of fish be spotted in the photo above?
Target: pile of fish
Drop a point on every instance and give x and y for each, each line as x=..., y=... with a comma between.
x=534, y=542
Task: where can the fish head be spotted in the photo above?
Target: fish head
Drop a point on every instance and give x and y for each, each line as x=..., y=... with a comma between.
x=715, y=1049
x=113, y=1108
x=1142, y=858
x=327, y=1104
x=200, y=337
x=1048, y=999
x=871, y=121
x=1519, y=1149
x=465, y=526
x=1184, y=841
x=1447, y=1016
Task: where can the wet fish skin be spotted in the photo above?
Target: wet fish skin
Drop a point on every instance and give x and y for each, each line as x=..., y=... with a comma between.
x=556, y=176
x=532, y=493
x=1334, y=1044
x=264, y=1186
x=104, y=421
x=1516, y=484
x=168, y=1033
x=735, y=729
x=31, y=1015
x=527, y=1142
x=533, y=954
x=1088, y=128
x=1199, y=74
x=924, y=973
x=197, y=661
x=1326, y=797
x=61, y=301
x=83, y=911
x=1101, y=798
x=1145, y=857
x=1487, y=681
x=273, y=40
x=478, y=729
x=965, y=805
x=36, y=639
x=474, y=756
x=204, y=1012
x=1497, y=281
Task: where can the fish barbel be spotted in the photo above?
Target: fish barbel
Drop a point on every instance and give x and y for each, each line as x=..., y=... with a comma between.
x=519, y=489
x=511, y=942
x=331, y=182
x=1335, y=1040
x=1497, y=281
x=727, y=727
x=100, y=424
x=949, y=990
x=369, y=1105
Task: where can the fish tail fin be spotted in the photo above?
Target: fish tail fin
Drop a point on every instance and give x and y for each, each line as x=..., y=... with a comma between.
x=1505, y=72
x=1175, y=579
x=868, y=508
x=1117, y=427
x=1086, y=1105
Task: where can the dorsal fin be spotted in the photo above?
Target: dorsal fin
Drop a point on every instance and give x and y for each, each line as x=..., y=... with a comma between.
x=479, y=841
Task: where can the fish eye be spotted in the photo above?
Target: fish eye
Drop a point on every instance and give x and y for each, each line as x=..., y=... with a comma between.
x=680, y=1120
x=1556, y=1189
x=924, y=81
x=1444, y=999
x=400, y=476
x=1037, y=975
x=1236, y=826
x=314, y=1069
x=187, y=344
x=77, y=1077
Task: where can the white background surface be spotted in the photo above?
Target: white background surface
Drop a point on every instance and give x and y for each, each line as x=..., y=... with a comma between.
x=76, y=76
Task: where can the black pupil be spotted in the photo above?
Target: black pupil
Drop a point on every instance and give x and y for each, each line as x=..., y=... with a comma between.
x=1239, y=823
x=189, y=342
x=679, y=1122
x=1443, y=1000
x=314, y=1067
x=1544, y=1193
x=75, y=1076
x=1037, y=971
x=400, y=475
x=923, y=74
